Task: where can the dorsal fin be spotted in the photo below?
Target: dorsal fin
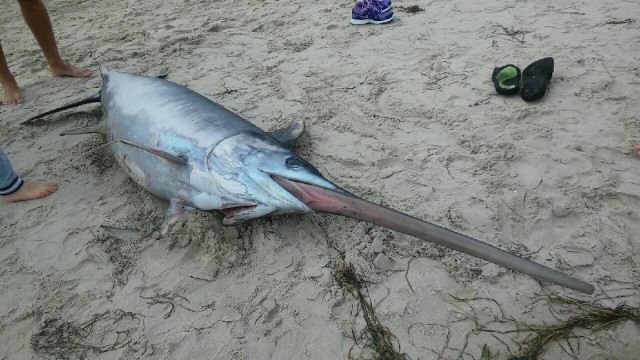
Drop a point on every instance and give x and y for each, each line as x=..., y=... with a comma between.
x=104, y=70
x=288, y=135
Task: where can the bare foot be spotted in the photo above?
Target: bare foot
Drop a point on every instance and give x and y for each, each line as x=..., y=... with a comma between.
x=65, y=69
x=636, y=148
x=31, y=191
x=12, y=94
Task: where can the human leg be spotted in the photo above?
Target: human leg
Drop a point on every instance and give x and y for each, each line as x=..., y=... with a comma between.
x=10, y=182
x=12, y=93
x=13, y=188
x=36, y=16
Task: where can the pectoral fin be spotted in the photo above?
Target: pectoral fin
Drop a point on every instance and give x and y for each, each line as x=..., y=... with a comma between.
x=163, y=154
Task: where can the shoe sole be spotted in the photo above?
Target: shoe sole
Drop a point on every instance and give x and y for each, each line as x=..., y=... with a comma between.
x=369, y=21
x=536, y=78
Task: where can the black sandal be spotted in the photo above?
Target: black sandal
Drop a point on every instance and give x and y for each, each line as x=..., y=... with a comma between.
x=535, y=79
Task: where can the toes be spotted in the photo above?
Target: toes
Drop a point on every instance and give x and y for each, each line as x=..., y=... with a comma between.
x=7, y=102
x=45, y=192
x=50, y=189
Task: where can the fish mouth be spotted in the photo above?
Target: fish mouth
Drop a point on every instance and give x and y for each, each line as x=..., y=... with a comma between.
x=341, y=202
x=230, y=211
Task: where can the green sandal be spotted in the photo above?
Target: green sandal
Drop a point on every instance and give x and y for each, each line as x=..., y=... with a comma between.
x=506, y=79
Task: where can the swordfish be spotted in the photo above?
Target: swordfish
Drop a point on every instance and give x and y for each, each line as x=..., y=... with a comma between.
x=193, y=152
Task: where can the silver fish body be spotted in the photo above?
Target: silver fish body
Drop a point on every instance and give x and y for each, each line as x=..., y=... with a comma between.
x=171, y=118
x=195, y=153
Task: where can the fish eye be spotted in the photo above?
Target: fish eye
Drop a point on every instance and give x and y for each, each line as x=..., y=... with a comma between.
x=294, y=162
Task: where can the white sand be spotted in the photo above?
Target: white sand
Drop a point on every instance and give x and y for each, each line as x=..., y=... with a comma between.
x=403, y=114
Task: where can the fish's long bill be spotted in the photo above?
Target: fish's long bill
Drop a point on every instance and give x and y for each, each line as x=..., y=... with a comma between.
x=324, y=200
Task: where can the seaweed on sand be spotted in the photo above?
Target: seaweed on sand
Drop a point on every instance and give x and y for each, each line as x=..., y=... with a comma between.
x=104, y=332
x=375, y=337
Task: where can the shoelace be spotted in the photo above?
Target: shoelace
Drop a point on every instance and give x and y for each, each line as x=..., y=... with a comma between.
x=366, y=5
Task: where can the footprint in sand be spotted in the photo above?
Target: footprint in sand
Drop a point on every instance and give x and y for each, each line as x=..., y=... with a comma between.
x=525, y=173
x=429, y=336
x=469, y=215
x=555, y=229
x=387, y=167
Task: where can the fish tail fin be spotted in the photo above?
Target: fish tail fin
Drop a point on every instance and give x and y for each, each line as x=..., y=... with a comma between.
x=91, y=99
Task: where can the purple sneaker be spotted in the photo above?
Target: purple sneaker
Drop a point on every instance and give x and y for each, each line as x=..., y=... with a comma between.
x=385, y=5
x=370, y=12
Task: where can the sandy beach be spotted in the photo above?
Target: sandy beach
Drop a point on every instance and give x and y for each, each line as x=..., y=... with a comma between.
x=402, y=114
